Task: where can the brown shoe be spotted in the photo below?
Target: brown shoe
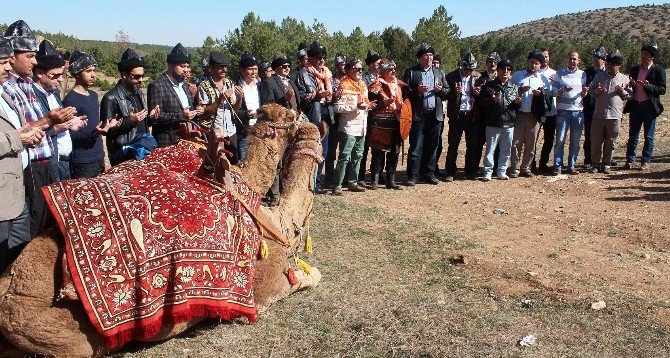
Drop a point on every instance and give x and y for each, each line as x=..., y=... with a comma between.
x=644, y=166
x=356, y=188
x=338, y=191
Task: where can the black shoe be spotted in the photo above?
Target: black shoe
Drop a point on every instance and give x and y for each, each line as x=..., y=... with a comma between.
x=471, y=176
x=432, y=180
x=613, y=163
x=410, y=182
x=375, y=182
x=544, y=169
x=449, y=178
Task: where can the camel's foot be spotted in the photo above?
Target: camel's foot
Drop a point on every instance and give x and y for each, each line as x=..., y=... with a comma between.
x=307, y=280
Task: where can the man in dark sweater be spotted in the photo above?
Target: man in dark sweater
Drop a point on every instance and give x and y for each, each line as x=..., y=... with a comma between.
x=88, y=157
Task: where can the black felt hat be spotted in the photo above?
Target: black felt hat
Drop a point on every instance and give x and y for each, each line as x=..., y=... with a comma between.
x=218, y=58
x=651, y=48
x=6, y=49
x=600, y=52
x=22, y=37
x=316, y=49
x=468, y=61
x=537, y=54
x=373, y=56
x=179, y=54
x=506, y=63
x=279, y=60
x=129, y=60
x=247, y=60
x=424, y=48
x=48, y=57
x=615, y=57
x=493, y=56
x=302, y=51
x=80, y=61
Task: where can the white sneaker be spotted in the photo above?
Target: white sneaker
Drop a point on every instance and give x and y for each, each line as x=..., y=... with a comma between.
x=486, y=178
x=503, y=177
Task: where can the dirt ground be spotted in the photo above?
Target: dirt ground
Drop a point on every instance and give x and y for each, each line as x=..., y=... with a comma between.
x=470, y=268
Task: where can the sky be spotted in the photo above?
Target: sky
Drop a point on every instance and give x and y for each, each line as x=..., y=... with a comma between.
x=167, y=22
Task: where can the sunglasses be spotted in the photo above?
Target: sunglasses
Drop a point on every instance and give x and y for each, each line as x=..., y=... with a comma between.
x=137, y=76
x=55, y=76
x=285, y=66
x=357, y=69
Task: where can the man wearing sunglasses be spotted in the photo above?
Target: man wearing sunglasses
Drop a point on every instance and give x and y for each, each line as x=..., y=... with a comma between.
x=460, y=110
x=47, y=80
x=126, y=100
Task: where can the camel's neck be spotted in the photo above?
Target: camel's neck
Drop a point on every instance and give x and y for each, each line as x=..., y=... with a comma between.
x=263, y=154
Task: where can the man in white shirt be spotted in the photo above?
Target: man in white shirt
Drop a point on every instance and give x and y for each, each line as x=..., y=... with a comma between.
x=250, y=100
x=569, y=89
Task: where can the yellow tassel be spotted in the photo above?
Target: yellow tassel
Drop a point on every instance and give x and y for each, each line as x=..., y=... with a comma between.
x=308, y=243
x=304, y=266
x=264, y=249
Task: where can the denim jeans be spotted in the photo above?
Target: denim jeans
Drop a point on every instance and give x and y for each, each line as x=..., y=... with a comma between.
x=573, y=120
x=242, y=144
x=349, y=161
x=320, y=180
x=423, y=140
x=642, y=115
x=498, y=136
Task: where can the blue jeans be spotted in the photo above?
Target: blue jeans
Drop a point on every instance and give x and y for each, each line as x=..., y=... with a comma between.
x=242, y=144
x=573, y=120
x=498, y=136
x=641, y=115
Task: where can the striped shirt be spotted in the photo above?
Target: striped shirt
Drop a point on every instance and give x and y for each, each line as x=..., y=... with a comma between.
x=22, y=93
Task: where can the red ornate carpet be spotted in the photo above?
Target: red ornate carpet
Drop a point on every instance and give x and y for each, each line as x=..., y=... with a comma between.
x=148, y=244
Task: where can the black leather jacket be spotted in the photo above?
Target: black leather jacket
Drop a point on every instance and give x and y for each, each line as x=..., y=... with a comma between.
x=503, y=113
x=120, y=102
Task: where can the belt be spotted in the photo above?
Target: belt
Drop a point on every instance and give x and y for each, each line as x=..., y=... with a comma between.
x=464, y=113
x=63, y=158
x=41, y=161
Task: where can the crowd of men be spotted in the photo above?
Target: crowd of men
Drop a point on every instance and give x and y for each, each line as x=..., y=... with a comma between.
x=46, y=139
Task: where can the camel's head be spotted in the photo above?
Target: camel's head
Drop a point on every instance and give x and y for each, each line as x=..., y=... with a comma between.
x=275, y=121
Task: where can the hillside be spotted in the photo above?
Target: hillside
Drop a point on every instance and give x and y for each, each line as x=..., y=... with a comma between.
x=639, y=22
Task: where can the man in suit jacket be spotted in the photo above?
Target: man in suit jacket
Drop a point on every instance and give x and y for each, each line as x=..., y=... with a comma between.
x=427, y=89
x=170, y=93
x=460, y=111
x=280, y=89
x=15, y=137
x=648, y=82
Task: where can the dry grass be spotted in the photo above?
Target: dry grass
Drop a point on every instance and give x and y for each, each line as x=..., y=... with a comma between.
x=389, y=289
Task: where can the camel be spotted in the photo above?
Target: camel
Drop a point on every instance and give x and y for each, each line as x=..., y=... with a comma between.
x=33, y=320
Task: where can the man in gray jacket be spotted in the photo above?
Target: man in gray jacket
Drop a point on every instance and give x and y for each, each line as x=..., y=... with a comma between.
x=15, y=137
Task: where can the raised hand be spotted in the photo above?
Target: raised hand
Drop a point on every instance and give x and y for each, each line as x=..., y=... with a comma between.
x=29, y=135
x=109, y=124
x=600, y=89
x=79, y=123
x=61, y=115
x=155, y=112
x=137, y=117
x=496, y=96
x=517, y=100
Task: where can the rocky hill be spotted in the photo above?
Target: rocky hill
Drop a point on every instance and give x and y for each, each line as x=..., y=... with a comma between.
x=639, y=22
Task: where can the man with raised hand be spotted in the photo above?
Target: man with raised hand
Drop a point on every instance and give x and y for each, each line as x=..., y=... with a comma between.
x=169, y=94
x=648, y=81
x=127, y=101
x=569, y=88
x=460, y=111
x=16, y=188
x=532, y=85
x=426, y=89
x=48, y=76
x=598, y=60
x=88, y=156
x=19, y=87
x=250, y=100
x=221, y=101
x=316, y=96
x=610, y=89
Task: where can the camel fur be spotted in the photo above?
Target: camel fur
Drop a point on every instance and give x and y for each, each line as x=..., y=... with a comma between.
x=32, y=318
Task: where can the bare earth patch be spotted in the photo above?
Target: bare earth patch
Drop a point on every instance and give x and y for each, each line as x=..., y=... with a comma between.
x=537, y=253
